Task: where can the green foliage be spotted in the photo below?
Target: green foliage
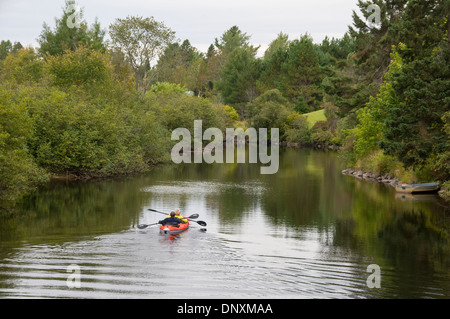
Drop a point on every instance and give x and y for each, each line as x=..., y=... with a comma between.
x=233, y=39
x=184, y=65
x=22, y=67
x=6, y=47
x=18, y=171
x=414, y=128
x=270, y=110
x=174, y=110
x=369, y=133
x=80, y=110
x=296, y=129
x=141, y=40
x=321, y=134
x=445, y=191
x=166, y=87
x=64, y=37
x=72, y=135
x=238, y=77
x=293, y=68
x=301, y=106
x=281, y=43
x=314, y=117
x=84, y=66
x=301, y=73
x=338, y=49
x=229, y=114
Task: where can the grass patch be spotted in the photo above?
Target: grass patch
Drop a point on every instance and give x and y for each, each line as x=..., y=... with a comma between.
x=315, y=117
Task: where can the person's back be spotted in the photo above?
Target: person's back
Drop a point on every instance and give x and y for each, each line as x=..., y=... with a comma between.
x=171, y=219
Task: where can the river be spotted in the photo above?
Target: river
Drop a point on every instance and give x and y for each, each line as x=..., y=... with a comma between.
x=306, y=232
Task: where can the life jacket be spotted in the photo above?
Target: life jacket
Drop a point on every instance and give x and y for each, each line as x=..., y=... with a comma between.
x=170, y=221
x=179, y=217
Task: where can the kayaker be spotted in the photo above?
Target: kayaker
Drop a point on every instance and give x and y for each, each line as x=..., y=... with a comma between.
x=171, y=219
x=178, y=215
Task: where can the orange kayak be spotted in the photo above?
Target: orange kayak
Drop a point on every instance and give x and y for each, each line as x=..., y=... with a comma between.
x=170, y=229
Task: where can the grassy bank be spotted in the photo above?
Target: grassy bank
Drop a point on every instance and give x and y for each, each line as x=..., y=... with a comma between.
x=315, y=117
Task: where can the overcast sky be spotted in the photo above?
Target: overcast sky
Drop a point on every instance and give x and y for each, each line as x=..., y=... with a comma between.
x=197, y=20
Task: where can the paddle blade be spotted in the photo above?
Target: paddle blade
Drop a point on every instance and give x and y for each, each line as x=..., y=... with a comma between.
x=144, y=226
x=200, y=222
x=193, y=216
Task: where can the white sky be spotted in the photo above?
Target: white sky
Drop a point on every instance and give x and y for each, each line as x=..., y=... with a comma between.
x=199, y=21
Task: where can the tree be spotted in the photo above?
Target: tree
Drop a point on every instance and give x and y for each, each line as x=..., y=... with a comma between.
x=301, y=74
x=67, y=36
x=369, y=133
x=269, y=110
x=231, y=39
x=183, y=64
x=293, y=68
x=281, y=42
x=271, y=70
x=238, y=77
x=18, y=170
x=22, y=67
x=6, y=47
x=356, y=78
x=415, y=128
x=84, y=66
x=141, y=40
x=338, y=48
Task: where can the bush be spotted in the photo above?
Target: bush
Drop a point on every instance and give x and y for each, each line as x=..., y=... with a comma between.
x=178, y=110
x=22, y=67
x=296, y=129
x=18, y=171
x=269, y=111
x=84, y=66
x=165, y=87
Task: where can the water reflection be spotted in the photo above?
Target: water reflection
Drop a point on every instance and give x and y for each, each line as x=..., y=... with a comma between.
x=307, y=231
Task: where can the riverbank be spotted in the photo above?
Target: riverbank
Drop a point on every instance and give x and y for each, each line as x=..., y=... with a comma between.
x=391, y=181
x=372, y=177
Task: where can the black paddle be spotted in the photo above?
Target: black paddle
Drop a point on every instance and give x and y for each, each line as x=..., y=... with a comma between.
x=202, y=223
x=157, y=211
x=193, y=216
x=143, y=226
x=153, y=210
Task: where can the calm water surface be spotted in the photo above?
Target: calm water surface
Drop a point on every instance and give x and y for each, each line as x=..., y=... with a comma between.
x=306, y=232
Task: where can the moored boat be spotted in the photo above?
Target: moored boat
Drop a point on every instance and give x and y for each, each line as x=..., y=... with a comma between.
x=418, y=188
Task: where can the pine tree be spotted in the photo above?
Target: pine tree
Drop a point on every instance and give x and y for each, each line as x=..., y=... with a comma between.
x=415, y=130
x=67, y=36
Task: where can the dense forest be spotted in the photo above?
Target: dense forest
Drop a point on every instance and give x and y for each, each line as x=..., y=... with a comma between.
x=83, y=106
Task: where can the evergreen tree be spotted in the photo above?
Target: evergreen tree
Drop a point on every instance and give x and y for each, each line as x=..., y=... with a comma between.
x=238, y=77
x=301, y=74
x=357, y=78
x=69, y=36
x=238, y=67
x=232, y=39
